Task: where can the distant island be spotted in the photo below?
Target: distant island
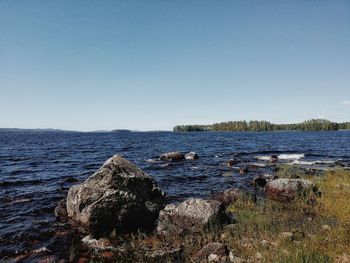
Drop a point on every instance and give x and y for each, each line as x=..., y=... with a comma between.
x=309, y=125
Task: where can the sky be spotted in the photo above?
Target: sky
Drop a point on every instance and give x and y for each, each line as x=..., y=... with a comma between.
x=150, y=65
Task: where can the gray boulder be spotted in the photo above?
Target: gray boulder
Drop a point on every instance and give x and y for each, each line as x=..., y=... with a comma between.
x=119, y=196
x=191, y=215
x=288, y=189
x=172, y=156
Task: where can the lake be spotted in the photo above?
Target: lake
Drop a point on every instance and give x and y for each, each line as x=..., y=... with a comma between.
x=37, y=169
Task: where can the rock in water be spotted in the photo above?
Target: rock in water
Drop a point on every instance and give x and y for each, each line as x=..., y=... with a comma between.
x=61, y=210
x=118, y=196
x=191, y=156
x=172, y=156
x=273, y=159
x=191, y=215
x=288, y=189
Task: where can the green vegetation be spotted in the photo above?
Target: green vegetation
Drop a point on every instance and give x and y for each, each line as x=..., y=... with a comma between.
x=309, y=125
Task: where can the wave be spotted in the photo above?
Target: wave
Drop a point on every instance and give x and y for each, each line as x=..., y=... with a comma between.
x=313, y=162
x=263, y=158
x=293, y=156
x=290, y=156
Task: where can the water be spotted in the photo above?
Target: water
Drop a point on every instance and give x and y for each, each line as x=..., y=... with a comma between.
x=37, y=169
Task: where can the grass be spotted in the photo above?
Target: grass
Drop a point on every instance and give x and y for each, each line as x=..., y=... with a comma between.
x=320, y=231
x=266, y=230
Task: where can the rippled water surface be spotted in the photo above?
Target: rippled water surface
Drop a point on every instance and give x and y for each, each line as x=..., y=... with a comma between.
x=37, y=169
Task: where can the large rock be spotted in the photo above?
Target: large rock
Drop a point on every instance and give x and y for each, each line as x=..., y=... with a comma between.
x=288, y=189
x=191, y=215
x=118, y=196
x=172, y=156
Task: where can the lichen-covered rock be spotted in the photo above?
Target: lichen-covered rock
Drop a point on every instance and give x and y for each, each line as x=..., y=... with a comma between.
x=191, y=215
x=288, y=189
x=119, y=196
x=172, y=156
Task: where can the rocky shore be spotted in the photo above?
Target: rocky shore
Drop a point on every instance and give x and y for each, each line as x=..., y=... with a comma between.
x=119, y=214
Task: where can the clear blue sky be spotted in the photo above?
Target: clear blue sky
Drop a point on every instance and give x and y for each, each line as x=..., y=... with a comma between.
x=150, y=65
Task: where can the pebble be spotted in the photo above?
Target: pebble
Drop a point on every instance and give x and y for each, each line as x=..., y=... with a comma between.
x=234, y=259
x=213, y=258
x=258, y=256
x=286, y=235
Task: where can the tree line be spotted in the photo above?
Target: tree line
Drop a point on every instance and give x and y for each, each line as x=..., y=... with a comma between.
x=309, y=125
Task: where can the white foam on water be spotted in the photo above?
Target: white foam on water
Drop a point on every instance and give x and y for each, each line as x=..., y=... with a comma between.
x=325, y=162
x=259, y=164
x=313, y=162
x=293, y=156
x=302, y=162
x=263, y=158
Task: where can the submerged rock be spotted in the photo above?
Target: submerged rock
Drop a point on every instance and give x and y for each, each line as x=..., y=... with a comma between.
x=288, y=189
x=191, y=215
x=273, y=159
x=172, y=156
x=119, y=196
x=233, y=162
x=191, y=156
x=243, y=170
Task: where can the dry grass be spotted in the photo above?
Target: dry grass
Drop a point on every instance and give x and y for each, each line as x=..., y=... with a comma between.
x=320, y=232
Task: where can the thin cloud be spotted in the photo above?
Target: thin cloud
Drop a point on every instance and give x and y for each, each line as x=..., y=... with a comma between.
x=346, y=102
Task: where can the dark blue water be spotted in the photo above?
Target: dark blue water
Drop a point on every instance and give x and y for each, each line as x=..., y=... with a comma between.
x=37, y=169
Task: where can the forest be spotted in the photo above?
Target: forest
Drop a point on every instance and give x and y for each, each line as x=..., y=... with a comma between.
x=309, y=125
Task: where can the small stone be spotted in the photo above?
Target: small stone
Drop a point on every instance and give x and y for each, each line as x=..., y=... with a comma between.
x=265, y=243
x=274, y=244
x=213, y=258
x=234, y=259
x=258, y=256
x=230, y=227
x=214, y=248
x=326, y=227
x=286, y=235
